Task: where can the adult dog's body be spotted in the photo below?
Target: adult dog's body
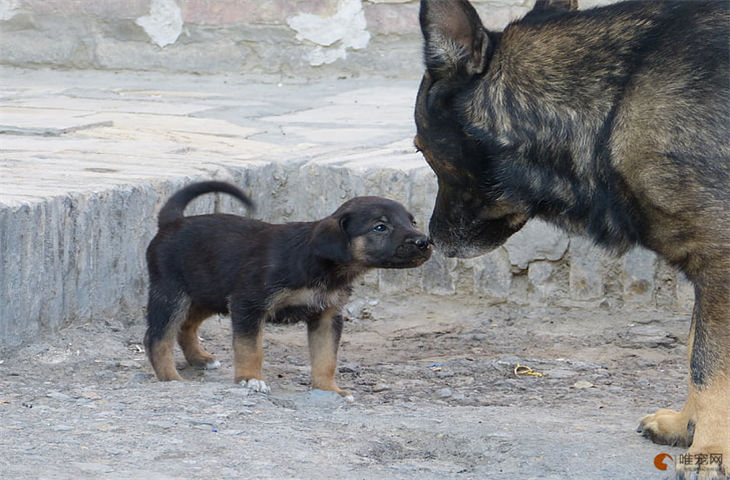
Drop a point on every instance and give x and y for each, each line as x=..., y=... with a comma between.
x=261, y=272
x=614, y=122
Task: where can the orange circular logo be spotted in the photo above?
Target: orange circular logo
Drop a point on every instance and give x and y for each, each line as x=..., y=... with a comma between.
x=659, y=461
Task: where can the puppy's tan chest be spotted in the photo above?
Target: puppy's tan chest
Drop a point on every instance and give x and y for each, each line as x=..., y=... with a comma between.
x=309, y=297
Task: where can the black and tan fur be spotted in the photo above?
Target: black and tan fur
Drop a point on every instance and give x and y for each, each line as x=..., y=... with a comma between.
x=613, y=122
x=260, y=272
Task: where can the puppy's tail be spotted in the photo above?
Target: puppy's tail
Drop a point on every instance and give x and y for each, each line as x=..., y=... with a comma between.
x=174, y=208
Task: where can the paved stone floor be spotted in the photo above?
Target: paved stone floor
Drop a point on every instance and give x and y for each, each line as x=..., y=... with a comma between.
x=77, y=130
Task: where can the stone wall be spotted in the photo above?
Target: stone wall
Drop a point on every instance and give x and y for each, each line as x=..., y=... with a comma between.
x=278, y=37
x=80, y=257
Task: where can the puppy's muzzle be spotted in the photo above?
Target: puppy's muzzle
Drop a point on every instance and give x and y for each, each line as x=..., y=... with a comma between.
x=422, y=243
x=415, y=248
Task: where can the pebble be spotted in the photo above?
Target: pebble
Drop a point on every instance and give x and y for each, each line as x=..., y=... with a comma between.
x=445, y=392
x=380, y=387
x=139, y=378
x=582, y=384
x=320, y=398
x=509, y=359
x=560, y=373
x=58, y=396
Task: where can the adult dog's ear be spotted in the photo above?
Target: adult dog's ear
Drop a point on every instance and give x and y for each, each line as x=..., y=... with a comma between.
x=456, y=43
x=331, y=241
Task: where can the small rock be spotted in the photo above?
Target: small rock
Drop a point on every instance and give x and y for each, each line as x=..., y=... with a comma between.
x=582, y=384
x=380, y=387
x=352, y=368
x=646, y=336
x=58, y=396
x=129, y=364
x=558, y=373
x=509, y=359
x=320, y=398
x=445, y=392
x=105, y=375
x=139, y=378
x=90, y=395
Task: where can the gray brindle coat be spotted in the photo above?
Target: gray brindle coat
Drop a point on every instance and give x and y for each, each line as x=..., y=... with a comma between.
x=613, y=122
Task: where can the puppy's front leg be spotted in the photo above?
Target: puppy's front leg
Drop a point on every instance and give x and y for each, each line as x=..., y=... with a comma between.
x=324, y=334
x=248, y=353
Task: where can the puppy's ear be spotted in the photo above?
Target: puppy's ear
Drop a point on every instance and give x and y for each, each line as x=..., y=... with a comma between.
x=456, y=43
x=331, y=241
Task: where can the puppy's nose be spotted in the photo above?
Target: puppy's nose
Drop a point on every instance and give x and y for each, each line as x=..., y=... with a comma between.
x=422, y=242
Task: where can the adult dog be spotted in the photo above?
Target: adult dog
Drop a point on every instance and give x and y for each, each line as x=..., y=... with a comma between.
x=614, y=122
x=260, y=272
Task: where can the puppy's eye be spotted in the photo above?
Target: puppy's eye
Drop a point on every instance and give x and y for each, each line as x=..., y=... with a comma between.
x=380, y=228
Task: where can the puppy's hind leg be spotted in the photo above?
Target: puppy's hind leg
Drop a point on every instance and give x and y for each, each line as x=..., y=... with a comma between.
x=188, y=339
x=166, y=310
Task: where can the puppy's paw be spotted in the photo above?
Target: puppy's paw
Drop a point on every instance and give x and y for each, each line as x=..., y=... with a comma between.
x=667, y=427
x=255, y=385
x=212, y=364
x=345, y=394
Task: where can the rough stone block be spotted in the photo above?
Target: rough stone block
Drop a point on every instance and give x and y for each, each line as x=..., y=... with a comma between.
x=639, y=270
x=537, y=240
x=685, y=293
x=492, y=274
x=587, y=270
x=546, y=282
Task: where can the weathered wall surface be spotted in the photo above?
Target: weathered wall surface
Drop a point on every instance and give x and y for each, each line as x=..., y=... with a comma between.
x=281, y=37
x=80, y=257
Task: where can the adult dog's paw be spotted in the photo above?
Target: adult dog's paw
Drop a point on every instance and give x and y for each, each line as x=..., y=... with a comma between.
x=667, y=427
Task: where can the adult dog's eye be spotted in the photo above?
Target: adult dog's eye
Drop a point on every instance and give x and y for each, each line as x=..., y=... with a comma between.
x=380, y=228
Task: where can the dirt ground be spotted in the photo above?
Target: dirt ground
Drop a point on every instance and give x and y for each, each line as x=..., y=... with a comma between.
x=435, y=392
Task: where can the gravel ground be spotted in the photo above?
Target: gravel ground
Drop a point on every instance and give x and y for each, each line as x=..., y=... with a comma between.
x=435, y=397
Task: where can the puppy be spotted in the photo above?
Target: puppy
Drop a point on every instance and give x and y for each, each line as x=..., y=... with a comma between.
x=260, y=272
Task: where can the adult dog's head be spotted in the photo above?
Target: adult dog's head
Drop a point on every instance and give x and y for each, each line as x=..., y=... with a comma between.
x=474, y=212
x=471, y=215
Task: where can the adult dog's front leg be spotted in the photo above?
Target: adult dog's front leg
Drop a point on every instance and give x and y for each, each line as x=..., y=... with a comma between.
x=324, y=334
x=708, y=403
